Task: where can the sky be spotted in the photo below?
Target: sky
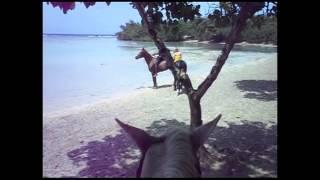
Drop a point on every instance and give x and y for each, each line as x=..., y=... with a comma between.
x=97, y=19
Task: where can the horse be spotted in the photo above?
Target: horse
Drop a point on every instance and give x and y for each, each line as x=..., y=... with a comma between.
x=181, y=75
x=172, y=155
x=151, y=62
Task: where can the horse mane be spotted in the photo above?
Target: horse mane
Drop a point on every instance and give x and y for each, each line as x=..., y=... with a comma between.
x=147, y=53
x=176, y=143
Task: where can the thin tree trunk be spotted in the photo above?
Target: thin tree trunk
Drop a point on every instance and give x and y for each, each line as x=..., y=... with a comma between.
x=195, y=112
x=195, y=96
x=153, y=34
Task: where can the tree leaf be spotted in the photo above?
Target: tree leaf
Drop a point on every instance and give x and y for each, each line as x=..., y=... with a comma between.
x=65, y=6
x=87, y=4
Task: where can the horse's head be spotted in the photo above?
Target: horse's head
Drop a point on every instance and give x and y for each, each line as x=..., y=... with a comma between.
x=173, y=154
x=141, y=53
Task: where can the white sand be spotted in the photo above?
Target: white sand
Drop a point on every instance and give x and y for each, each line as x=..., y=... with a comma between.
x=71, y=129
x=242, y=44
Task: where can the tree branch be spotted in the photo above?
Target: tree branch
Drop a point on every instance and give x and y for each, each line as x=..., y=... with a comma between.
x=151, y=31
x=246, y=11
x=153, y=34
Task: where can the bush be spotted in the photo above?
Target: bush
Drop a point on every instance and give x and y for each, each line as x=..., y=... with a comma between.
x=257, y=30
x=265, y=33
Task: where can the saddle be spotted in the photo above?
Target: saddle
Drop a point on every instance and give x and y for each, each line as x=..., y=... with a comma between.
x=158, y=61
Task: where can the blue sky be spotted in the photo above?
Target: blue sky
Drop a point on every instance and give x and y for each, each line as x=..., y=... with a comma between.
x=97, y=19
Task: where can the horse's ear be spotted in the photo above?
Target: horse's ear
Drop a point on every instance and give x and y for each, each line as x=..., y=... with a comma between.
x=201, y=134
x=142, y=48
x=141, y=138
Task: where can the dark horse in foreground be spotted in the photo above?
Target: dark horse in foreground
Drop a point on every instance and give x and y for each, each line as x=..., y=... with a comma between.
x=163, y=66
x=173, y=154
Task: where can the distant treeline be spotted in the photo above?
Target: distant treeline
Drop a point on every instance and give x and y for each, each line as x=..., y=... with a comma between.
x=96, y=35
x=259, y=29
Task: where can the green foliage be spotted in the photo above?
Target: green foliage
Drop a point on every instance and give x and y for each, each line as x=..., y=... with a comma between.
x=173, y=11
x=174, y=20
x=66, y=6
x=259, y=29
x=132, y=31
x=264, y=32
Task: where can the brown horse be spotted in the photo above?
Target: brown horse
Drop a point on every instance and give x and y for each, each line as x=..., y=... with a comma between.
x=151, y=62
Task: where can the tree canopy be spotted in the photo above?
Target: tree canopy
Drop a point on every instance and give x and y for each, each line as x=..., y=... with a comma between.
x=170, y=12
x=204, y=29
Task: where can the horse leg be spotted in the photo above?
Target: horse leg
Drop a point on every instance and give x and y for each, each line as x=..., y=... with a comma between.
x=175, y=83
x=154, y=79
x=155, y=69
x=179, y=85
x=176, y=79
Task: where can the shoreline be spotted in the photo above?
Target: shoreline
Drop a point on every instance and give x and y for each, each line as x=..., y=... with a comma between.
x=84, y=100
x=243, y=44
x=136, y=92
x=84, y=106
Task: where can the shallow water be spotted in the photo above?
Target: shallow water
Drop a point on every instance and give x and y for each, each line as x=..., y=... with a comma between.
x=80, y=70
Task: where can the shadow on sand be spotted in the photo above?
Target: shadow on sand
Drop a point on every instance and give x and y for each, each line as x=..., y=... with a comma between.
x=159, y=87
x=246, y=150
x=258, y=89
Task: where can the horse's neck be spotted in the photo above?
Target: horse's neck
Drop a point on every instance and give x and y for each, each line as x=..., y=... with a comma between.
x=182, y=160
x=177, y=161
x=147, y=57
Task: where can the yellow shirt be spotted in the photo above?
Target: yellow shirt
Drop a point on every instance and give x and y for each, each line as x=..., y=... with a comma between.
x=177, y=56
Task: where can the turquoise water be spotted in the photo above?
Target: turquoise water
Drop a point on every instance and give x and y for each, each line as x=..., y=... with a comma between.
x=83, y=69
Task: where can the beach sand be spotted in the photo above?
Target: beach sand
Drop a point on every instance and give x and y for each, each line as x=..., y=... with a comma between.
x=243, y=44
x=87, y=142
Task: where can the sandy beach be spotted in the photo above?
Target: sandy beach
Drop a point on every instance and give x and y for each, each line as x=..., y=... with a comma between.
x=244, y=44
x=87, y=142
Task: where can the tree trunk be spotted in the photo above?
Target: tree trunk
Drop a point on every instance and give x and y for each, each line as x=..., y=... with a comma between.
x=194, y=96
x=195, y=112
x=153, y=34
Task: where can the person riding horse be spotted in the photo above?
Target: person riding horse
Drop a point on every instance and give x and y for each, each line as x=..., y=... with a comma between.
x=178, y=69
x=180, y=66
x=161, y=57
x=177, y=57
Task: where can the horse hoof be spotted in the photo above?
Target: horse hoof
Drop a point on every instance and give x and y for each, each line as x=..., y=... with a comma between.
x=154, y=87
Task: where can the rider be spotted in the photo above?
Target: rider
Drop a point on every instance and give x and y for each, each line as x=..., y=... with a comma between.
x=180, y=66
x=161, y=56
x=178, y=62
x=177, y=57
